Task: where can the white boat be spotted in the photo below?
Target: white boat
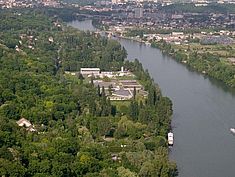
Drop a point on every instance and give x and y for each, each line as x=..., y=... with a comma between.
x=232, y=130
x=170, y=139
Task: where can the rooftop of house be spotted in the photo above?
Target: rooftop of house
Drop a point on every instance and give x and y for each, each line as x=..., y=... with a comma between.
x=23, y=122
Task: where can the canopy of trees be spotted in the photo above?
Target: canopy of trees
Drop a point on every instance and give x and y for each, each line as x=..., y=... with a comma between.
x=79, y=132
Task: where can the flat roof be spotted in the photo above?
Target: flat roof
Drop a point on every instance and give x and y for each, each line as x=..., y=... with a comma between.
x=122, y=92
x=90, y=69
x=105, y=84
x=128, y=81
x=130, y=84
x=231, y=59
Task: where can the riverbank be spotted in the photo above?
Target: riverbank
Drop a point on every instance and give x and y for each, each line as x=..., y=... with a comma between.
x=204, y=62
x=216, y=66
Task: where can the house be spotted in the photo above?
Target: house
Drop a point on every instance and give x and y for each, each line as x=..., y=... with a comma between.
x=23, y=122
x=50, y=39
x=26, y=123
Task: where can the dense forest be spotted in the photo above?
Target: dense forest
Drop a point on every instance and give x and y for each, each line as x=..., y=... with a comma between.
x=71, y=119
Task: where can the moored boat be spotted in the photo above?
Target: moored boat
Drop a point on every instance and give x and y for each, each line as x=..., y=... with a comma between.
x=170, y=139
x=232, y=130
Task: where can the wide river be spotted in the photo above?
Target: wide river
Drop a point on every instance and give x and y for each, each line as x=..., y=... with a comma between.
x=204, y=111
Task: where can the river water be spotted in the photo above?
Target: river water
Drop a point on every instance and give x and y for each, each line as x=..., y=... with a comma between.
x=204, y=111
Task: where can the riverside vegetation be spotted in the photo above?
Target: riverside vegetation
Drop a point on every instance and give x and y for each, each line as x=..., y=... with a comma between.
x=208, y=59
x=72, y=120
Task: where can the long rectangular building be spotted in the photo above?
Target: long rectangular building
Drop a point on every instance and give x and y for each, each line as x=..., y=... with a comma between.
x=90, y=71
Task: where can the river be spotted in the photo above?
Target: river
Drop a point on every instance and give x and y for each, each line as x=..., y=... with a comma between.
x=204, y=111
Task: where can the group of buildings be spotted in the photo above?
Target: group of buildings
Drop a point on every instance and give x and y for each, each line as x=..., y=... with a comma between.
x=117, y=87
x=167, y=2
x=154, y=16
x=96, y=72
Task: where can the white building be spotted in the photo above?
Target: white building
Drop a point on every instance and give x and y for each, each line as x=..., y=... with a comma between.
x=177, y=33
x=26, y=123
x=90, y=71
x=23, y=122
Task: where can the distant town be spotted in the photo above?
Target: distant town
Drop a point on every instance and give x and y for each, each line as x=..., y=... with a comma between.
x=151, y=14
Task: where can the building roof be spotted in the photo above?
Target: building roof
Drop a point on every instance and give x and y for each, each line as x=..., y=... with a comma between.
x=130, y=84
x=90, y=69
x=122, y=92
x=128, y=81
x=24, y=122
x=103, y=84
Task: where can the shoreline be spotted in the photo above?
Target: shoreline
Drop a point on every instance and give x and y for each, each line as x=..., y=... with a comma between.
x=181, y=61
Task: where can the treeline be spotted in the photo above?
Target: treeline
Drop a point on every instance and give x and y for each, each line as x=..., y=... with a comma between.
x=79, y=132
x=207, y=63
